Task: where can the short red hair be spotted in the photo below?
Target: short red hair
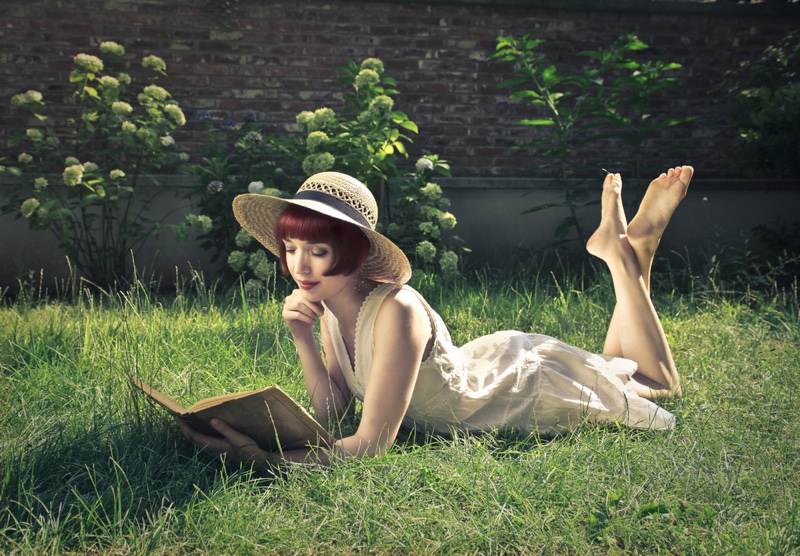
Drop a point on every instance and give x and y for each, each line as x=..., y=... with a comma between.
x=350, y=245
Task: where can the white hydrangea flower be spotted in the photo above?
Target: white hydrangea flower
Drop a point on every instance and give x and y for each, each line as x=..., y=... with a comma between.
x=154, y=63
x=110, y=47
x=432, y=191
x=174, y=111
x=237, y=260
x=426, y=251
x=88, y=63
x=109, y=82
x=449, y=263
x=373, y=64
x=73, y=175
x=153, y=92
x=34, y=134
x=318, y=162
x=121, y=108
x=29, y=207
x=447, y=221
x=316, y=139
x=424, y=164
x=367, y=78
x=243, y=239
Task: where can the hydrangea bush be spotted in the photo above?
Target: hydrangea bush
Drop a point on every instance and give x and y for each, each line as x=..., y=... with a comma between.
x=421, y=222
x=80, y=177
x=241, y=157
x=368, y=140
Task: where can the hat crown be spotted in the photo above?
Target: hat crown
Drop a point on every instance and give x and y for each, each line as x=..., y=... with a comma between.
x=346, y=189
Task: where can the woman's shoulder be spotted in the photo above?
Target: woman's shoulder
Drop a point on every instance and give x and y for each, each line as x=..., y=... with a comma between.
x=407, y=298
x=402, y=305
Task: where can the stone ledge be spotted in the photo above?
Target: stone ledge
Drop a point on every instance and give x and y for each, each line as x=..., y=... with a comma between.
x=713, y=184
x=630, y=6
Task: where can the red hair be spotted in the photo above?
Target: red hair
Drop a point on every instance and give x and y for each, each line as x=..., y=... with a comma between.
x=350, y=245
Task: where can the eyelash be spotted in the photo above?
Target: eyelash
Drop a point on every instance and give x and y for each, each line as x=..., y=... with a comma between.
x=321, y=254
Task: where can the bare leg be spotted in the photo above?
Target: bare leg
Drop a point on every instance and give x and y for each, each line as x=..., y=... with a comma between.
x=636, y=326
x=645, y=231
x=659, y=203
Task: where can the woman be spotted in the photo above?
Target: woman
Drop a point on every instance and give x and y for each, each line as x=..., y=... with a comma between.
x=383, y=343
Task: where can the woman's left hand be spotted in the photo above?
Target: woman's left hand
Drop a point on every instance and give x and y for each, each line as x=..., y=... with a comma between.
x=235, y=446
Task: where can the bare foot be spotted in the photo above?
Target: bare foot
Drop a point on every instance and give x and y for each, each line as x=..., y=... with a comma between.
x=609, y=241
x=659, y=203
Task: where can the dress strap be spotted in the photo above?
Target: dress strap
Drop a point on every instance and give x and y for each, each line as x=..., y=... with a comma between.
x=365, y=330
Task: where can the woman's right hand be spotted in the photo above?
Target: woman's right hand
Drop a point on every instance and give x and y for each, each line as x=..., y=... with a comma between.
x=299, y=313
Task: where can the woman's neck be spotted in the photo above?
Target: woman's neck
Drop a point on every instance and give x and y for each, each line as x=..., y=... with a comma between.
x=346, y=304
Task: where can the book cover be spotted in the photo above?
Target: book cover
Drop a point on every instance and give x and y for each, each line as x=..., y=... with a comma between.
x=269, y=416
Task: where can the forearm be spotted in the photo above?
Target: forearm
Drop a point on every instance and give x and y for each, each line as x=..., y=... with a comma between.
x=342, y=449
x=327, y=399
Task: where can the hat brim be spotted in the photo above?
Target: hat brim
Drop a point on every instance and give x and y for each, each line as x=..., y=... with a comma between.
x=258, y=214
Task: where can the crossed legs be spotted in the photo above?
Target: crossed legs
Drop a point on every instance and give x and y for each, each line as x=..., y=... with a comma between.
x=635, y=331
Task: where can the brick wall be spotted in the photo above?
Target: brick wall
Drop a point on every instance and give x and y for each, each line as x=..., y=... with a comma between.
x=280, y=57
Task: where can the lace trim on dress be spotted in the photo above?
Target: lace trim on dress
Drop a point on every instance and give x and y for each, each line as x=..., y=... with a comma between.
x=435, y=346
x=387, y=287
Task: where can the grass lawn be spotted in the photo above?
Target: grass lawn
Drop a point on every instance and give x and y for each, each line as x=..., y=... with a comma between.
x=87, y=467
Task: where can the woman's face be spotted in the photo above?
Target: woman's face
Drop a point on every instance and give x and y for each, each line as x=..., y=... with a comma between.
x=308, y=261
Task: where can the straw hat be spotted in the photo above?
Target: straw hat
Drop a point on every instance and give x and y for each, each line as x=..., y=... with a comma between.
x=338, y=196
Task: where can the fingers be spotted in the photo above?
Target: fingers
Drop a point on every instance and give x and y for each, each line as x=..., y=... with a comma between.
x=297, y=308
x=243, y=448
x=234, y=437
x=211, y=444
x=234, y=446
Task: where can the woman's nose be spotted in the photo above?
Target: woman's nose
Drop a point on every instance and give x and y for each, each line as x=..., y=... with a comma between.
x=300, y=264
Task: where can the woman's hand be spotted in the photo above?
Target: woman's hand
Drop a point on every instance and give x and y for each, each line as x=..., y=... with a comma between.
x=235, y=446
x=299, y=313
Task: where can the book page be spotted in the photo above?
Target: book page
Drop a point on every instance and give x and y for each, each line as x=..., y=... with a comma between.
x=269, y=416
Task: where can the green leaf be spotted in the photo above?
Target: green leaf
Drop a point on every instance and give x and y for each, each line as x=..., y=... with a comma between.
x=637, y=44
x=545, y=121
x=409, y=125
x=564, y=227
x=653, y=508
x=543, y=206
x=525, y=94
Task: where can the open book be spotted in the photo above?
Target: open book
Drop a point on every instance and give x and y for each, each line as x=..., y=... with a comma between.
x=269, y=416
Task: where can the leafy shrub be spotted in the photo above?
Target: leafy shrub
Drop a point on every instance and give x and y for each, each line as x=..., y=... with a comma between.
x=81, y=177
x=366, y=139
x=608, y=100
x=765, y=108
x=241, y=158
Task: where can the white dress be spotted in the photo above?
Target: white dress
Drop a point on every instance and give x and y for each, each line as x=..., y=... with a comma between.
x=504, y=381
